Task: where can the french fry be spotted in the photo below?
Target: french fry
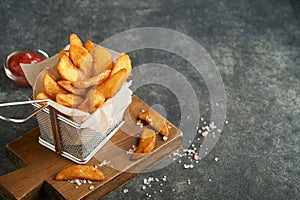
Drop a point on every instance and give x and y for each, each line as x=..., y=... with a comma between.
x=102, y=60
x=123, y=61
x=114, y=83
x=146, y=144
x=42, y=95
x=80, y=172
x=75, y=40
x=51, y=87
x=89, y=46
x=156, y=121
x=67, y=85
x=82, y=59
x=68, y=71
x=68, y=100
x=84, y=106
x=95, y=99
x=64, y=52
x=95, y=80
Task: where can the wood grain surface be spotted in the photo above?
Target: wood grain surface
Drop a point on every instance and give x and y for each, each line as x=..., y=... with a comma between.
x=38, y=165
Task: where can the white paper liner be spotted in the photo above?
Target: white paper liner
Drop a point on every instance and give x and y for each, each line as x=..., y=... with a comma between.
x=103, y=118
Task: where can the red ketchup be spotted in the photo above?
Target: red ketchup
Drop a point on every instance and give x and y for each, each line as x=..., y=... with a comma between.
x=13, y=65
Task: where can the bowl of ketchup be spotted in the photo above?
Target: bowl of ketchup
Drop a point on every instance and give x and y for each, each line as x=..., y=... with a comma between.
x=12, y=63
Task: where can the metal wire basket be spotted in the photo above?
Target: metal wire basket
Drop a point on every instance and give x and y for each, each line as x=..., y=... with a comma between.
x=63, y=135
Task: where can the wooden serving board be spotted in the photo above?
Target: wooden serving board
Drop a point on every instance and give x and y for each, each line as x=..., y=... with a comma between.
x=38, y=165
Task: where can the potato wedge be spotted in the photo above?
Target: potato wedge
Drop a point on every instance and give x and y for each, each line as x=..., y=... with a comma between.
x=89, y=46
x=51, y=87
x=146, y=144
x=114, y=83
x=95, y=99
x=68, y=100
x=95, y=80
x=84, y=106
x=75, y=40
x=123, y=61
x=42, y=95
x=80, y=172
x=67, y=85
x=156, y=121
x=64, y=52
x=68, y=71
x=102, y=60
x=82, y=59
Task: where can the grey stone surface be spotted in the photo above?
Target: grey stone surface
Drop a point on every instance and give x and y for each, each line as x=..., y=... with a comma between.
x=255, y=45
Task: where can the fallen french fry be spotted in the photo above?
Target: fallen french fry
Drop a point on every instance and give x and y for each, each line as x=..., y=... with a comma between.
x=80, y=172
x=156, y=121
x=51, y=87
x=115, y=82
x=146, y=144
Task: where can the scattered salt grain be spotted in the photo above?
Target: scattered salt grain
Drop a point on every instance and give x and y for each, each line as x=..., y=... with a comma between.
x=189, y=181
x=165, y=138
x=91, y=187
x=125, y=191
x=144, y=187
x=216, y=159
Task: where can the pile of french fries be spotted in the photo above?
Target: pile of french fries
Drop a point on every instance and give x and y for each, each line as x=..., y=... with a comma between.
x=88, y=76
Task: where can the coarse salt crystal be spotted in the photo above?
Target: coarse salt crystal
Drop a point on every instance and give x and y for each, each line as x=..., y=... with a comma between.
x=91, y=187
x=216, y=159
x=125, y=191
x=165, y=138
x=144, y=187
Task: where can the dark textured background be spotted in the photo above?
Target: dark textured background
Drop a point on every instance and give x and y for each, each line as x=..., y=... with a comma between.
x=255, y=45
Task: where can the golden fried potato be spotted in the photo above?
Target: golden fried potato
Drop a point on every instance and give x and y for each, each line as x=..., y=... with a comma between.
x=75, y=40
x=123, y=61
x=80, y=172
x=82, y=59
x=68, y=71
x=102, y=60
x=42, y=95
x=68, y=100
x=95, y=99
x=114, y=83
x=156, y=121
x=146, y=144
x=51, y=87
x=84, y=106
x=95, y=80
x=89, y=46
x=67, y=85
x=64, y=52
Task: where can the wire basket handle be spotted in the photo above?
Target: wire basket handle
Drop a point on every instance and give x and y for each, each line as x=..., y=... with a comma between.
x=21, y=120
